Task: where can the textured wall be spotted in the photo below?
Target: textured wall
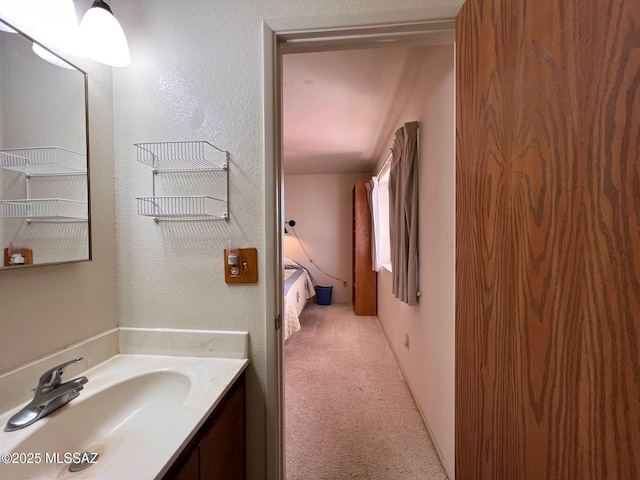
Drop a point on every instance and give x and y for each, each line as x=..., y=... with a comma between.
x=428, y=364
x=45, y=309
x=321, y=205
x=197, y=73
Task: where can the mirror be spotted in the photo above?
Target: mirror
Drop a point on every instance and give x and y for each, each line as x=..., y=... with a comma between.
x=44, y=169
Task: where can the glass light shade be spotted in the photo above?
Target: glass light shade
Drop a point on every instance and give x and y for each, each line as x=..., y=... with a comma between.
x=55, y=24
x=102, y=38
x=50, y=57
x=42, y=19
x=52, y=22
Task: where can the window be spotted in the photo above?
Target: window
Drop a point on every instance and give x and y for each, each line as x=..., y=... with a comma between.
x=383, y=243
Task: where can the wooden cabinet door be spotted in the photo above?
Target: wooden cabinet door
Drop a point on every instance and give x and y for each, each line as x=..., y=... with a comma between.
x=191, y=469
x=222, y=451
x=548, y=240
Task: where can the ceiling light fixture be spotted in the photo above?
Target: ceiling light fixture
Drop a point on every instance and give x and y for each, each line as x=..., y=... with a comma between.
x=102, y=36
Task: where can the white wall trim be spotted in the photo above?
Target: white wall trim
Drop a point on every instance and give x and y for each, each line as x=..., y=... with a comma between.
x=330, y=24
x=274, y=395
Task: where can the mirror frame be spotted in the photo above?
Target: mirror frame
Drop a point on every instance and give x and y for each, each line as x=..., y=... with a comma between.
x=87, y=143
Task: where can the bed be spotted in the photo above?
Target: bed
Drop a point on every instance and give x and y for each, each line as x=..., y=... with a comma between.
x=298, y=289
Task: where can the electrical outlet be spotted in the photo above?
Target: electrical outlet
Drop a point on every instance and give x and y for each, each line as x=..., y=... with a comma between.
x=241, y=266
x=406, y=340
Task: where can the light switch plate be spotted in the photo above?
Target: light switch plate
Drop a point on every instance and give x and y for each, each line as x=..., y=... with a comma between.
x=246, y=271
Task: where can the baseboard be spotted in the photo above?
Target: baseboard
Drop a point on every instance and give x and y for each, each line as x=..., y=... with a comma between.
x=424, y=418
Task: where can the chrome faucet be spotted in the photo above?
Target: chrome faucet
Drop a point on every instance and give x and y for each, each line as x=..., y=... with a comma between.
x=50, y=394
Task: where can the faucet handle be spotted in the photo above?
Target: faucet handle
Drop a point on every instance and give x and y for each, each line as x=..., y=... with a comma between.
x=52, y=378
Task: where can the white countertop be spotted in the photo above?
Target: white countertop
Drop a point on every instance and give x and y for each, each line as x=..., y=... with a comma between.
x=138, y=411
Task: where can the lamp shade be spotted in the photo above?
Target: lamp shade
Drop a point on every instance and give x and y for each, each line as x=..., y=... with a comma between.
x=56, y=25
x=50, y=57
x=102, y=36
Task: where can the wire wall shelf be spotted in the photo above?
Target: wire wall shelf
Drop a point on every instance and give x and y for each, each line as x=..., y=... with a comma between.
x=46, y=209
x=182, y=156
x=186, y=207
x=44, y=161
x=178, y=157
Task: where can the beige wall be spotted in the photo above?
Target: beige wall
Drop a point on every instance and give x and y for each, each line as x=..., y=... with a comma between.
x=45, y=309
x=321, y=205
x=428, y=364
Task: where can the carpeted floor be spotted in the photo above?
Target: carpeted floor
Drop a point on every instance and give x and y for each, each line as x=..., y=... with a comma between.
x=349, y=412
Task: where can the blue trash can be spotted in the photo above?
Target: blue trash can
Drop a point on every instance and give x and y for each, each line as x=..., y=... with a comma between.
x=324, y=295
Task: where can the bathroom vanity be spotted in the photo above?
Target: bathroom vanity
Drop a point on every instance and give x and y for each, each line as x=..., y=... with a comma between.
x=158, y=404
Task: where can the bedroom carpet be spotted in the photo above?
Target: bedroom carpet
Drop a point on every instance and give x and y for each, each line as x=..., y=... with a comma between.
x=349, y=412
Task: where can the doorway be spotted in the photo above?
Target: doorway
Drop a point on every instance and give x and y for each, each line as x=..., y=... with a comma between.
x=405, y=27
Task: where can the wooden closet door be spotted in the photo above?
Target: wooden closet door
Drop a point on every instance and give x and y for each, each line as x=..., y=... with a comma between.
x=548, y=240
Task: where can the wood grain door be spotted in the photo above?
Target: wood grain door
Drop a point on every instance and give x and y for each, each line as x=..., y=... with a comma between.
x=548, y=240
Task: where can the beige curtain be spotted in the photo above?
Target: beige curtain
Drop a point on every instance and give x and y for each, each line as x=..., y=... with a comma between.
x=403, y=213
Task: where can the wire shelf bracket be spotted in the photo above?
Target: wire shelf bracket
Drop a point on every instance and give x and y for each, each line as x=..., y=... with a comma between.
x=44, y=161
x=192, y=156
x=192, y=207
x=183, y=157
x=45, y=209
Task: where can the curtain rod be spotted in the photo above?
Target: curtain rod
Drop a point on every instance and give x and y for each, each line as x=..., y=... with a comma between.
x=384, y=164
x=391, y=154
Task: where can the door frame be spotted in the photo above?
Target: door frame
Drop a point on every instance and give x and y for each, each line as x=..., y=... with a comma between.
x=435, y=25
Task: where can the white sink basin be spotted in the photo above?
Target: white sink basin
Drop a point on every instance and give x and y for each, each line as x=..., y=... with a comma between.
x=136, y=413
